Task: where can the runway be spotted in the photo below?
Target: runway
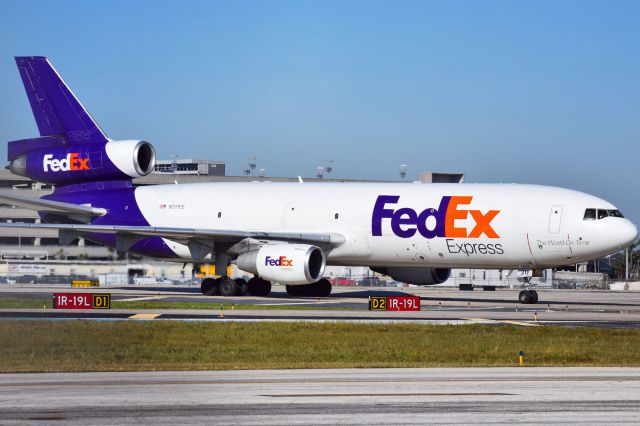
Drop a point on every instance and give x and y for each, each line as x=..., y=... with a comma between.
x=350, y=396
x=557, y=307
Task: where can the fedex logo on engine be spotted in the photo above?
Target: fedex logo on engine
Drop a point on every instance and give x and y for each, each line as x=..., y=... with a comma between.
x=72, y=161
x=405, y=222
x=279, y=261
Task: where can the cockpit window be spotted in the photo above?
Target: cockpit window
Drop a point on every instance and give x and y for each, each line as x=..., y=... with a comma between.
x=590, y=214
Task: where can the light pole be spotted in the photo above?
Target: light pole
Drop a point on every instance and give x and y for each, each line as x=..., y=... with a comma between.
x=626, y=264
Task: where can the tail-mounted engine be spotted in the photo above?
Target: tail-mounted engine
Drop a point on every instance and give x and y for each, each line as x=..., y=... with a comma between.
x=61, y=163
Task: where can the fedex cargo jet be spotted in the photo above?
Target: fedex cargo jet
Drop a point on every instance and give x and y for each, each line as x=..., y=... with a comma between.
x=288, y=232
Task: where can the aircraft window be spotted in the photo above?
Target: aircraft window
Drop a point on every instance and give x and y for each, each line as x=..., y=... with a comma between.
x=602, y=214
x=615, y=213
x=590, y=214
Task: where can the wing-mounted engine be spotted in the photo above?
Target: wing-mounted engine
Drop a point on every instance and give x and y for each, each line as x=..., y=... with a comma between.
x=414, y=275
x=82, y=162
x=285, y=263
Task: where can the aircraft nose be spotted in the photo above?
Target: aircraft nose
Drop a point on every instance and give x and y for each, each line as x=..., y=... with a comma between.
x=627, y=233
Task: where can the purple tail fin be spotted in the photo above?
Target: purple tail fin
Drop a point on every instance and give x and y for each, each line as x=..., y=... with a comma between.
x=56, y=110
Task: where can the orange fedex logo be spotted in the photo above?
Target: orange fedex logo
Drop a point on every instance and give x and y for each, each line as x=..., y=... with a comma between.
x=406, y=222
x=72, y=161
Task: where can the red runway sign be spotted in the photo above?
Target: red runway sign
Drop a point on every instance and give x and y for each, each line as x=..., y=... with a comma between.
x=394, y=303
x=81, y=301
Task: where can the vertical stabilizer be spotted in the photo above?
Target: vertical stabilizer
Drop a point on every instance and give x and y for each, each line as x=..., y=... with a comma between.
x=56, y=109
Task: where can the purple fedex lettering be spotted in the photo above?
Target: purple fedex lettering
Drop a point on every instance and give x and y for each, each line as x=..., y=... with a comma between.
x=405, y=221
x=379, y=213
x=439, y=215
x=280, y=261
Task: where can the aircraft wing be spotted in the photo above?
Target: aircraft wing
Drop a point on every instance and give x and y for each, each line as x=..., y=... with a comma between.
x=126, y=236
x=40, y=204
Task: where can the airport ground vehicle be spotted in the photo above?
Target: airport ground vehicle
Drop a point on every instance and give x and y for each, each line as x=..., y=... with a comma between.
x=342, y=281
x=371, y=282
x=412, y=233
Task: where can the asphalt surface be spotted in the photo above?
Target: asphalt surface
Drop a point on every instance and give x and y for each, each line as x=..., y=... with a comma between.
x=556, y=307
x=351, y=396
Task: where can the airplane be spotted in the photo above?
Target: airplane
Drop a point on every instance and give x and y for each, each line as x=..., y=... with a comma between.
x=288, y=232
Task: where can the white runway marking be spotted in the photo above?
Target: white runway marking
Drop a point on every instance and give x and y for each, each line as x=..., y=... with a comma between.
x=139, y=299
x=314, y=302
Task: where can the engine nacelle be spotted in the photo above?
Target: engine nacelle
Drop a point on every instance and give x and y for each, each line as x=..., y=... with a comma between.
x=75, y=163
x=285, y=263
x=415, y=275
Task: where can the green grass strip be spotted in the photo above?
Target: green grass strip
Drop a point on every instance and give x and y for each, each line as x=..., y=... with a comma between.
x=57, y=346
x=160, y=305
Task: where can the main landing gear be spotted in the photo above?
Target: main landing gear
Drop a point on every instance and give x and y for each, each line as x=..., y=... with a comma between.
x=225, y=286
x=320, y=288
x=527, y=297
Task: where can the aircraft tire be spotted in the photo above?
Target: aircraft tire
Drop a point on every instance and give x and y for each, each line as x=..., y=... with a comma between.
x=320, y=288
x=207, y=285
x=228, y=287
x=293, y=290
x=243, y=285
x=534, y=296
x=525, y=297
x=259, y=287
x=265, y=288
x=323, y=288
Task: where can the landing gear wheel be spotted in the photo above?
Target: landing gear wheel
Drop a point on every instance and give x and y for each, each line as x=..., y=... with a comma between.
x=243, y=286
x=320, y=288
x=525, y=297
x=534, y=296
x=209, y=287
x=228, y=287
x=259, y=287
x=293, y=290
x=323, y=288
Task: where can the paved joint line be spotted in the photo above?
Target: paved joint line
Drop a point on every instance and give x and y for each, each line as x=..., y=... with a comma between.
x=144, y=316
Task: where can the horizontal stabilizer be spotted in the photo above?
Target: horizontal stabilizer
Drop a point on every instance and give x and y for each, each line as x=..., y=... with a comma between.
x=17, y=148
x=39, y=204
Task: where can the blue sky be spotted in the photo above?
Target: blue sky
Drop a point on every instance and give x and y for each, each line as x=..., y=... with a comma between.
x=504, y=91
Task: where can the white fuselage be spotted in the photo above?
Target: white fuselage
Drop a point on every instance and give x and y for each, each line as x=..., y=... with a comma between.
x=499, y=226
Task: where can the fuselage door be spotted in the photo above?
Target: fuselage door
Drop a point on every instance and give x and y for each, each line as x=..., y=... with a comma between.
x=555, y=218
